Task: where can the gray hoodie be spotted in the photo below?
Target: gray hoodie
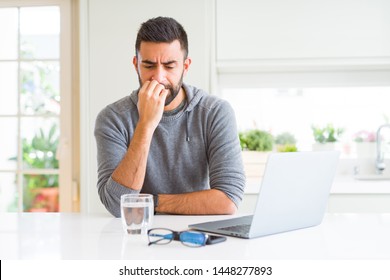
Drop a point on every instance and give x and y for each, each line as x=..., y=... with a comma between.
x=195, y=149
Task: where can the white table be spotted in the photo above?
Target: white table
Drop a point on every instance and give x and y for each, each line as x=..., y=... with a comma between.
x=80, y=236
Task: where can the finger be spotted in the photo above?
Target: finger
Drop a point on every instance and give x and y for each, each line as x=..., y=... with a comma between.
x=158, y=89
x=148, y=86
x=153, y=84
x=144, y=88
x=152, y=87
x=164, y=92
x=163, y=95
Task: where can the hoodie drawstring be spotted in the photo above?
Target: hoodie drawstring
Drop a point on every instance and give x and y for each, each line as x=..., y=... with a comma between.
x=187, y=127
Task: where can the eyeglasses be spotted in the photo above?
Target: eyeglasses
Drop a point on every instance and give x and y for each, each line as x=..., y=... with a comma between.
x=162, y=236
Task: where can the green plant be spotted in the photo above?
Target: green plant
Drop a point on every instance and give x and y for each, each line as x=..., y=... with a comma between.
x=285, y=142
x=256, y=140
x=287, y=148
x=285, y=138
x=39, y=153
x=327, y=134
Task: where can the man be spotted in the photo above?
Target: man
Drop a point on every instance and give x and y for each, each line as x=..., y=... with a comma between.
x=168, y=138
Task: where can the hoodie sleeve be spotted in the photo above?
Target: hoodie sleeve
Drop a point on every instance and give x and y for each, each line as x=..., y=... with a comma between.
x=112, y=142
x=224, y=152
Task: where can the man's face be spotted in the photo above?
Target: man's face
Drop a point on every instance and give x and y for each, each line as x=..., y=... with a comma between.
x=163, y=62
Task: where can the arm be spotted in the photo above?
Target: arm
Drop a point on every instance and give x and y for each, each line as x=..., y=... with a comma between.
x=131, y=170
x=122, y=162
x=196, y=203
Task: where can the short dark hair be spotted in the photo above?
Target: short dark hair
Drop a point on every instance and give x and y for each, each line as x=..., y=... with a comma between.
x=162, y=30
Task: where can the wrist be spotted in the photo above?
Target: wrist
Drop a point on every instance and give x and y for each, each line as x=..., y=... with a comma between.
x=145, y=128
x=155, y=202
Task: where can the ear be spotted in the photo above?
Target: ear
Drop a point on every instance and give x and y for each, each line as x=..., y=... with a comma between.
x=135, y=63
x=187, y=63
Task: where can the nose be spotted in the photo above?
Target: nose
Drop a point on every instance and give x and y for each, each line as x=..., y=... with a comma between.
x=159, y=75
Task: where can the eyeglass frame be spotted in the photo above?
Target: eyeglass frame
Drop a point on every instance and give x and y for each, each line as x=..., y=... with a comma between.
x=176, y=237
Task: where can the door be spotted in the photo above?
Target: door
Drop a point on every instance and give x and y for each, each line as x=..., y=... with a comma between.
x=35, y=119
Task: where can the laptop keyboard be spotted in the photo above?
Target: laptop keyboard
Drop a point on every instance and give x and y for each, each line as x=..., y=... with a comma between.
x=244, y=228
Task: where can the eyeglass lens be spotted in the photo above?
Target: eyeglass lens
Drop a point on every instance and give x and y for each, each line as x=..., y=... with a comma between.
x=160, y=236
x=193, y=239
x=165, y=236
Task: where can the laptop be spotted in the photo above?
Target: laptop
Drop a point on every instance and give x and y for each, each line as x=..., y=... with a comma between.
x=293, y=195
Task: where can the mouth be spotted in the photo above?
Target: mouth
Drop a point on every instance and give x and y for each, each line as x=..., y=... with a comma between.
x=167, y=86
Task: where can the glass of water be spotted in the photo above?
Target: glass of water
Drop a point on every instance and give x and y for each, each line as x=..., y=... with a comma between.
x=137, y=212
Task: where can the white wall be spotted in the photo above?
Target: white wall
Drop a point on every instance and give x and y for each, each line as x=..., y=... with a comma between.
x=108, y=33
x=302, y=29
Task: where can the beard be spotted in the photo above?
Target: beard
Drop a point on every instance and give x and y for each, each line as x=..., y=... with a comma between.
x=173, y=89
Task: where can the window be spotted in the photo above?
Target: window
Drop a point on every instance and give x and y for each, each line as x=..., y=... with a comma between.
x=34, y=112
x=355, y=110
x=293, y=99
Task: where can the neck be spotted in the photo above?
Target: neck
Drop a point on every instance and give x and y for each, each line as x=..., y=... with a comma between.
x=177, y=101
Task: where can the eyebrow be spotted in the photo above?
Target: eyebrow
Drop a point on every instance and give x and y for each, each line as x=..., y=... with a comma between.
x=154, y=63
